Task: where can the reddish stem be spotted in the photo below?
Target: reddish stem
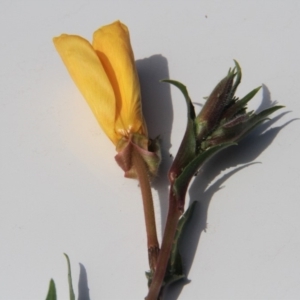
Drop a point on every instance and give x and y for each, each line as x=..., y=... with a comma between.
x=144, y=180
x=174, y=214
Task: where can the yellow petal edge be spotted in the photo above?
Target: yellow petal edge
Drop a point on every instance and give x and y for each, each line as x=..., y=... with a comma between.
x=113, y=47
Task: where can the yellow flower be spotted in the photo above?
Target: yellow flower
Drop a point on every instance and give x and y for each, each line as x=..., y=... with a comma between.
x=106, y=75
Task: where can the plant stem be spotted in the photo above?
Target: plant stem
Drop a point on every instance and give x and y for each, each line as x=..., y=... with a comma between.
x=144, y=180
x=174, y=214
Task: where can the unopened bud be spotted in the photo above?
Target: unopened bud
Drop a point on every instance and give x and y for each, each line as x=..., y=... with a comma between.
x=211, y=112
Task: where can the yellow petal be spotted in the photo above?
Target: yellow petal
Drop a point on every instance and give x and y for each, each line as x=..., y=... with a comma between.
x=112, y=45
x=90, y=77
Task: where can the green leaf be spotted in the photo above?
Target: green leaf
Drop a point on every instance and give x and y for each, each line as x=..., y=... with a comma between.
x=236, y=129
x=242, y=102
x=239, y=105
x=187, y=149
x=181, y=183
x=52, y=291
x=255, y=120
x=237, y=79
x=265, y=113
x=174, y=270
x=183, y=89
x=175, y=263
x=71, y=292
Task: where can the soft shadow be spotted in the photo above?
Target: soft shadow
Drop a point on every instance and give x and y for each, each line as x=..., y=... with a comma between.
x=83, y=288
x=158, y=113
x=203, y=188
x=266, y=99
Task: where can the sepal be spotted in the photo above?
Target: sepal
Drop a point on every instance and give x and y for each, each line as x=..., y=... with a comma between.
x=147, y=148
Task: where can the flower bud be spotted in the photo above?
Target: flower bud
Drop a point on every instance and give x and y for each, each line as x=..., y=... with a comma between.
x=222, y=122
x=212, y=111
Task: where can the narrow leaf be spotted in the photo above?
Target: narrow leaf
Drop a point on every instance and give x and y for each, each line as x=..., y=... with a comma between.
x=265, y=113
x=183, y=89
x=182, y=182
x=52, y=291
x=71, y=291
x=238, y=78
x=239, y=104
x=175, y=269
x=242, y=102
x=175, y=258
x=255, y=120
x=187, y=149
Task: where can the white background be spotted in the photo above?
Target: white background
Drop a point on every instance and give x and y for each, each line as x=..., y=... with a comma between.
x=61, y=190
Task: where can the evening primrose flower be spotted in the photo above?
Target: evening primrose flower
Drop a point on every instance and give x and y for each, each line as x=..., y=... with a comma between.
x=106, y=75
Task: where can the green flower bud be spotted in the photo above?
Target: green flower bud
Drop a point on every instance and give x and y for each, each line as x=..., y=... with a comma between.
x=222, y=122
